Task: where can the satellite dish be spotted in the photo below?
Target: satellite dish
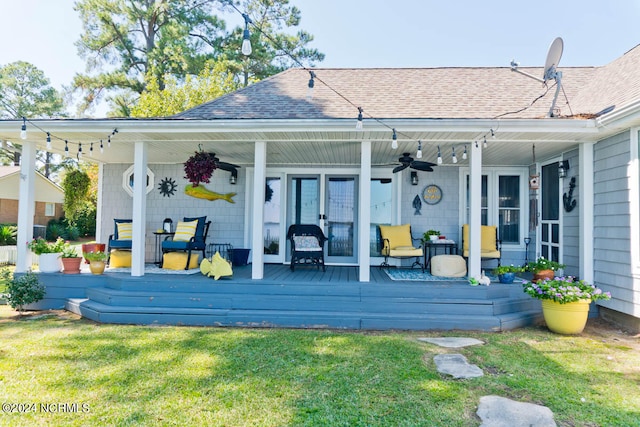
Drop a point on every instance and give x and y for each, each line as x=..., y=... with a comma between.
x=553, y=59
x=550, y=72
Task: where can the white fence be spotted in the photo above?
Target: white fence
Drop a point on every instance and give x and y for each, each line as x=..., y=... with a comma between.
x=9, y=255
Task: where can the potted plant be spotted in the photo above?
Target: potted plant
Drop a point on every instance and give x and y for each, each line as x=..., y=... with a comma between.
x=199, y=167
x=543, y=268
x=430, y=235
x=22, y=290
x=565, y=302
x=507, y=273
x=92, y=247
x=70, y=259
x=97, y=261
x=48, y=254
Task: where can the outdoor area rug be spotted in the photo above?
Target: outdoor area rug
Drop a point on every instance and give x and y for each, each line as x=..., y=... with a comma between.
x=417, y=275
x=153, y=269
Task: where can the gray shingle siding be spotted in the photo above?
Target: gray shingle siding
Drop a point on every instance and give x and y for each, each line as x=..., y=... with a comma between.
x=612, y=228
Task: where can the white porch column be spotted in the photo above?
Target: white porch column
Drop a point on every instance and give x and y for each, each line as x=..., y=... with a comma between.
x=475, y=209
x=364, y=211
x=257, y=218
x=585, y=208
x=139, y=214
x=26, y=205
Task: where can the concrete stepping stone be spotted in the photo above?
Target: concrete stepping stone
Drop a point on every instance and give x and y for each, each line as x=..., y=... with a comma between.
x=452, y=342
x=496, y=411
x=457, y=366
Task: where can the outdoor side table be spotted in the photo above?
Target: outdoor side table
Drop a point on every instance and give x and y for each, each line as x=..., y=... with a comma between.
x=430, y=248
x=159, y=239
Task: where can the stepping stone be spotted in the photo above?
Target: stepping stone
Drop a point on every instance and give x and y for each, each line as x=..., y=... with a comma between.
x=452, y=342
x=457, y=366
x=496, y=411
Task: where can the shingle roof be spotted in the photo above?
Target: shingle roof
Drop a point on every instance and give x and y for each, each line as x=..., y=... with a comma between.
x=435, y=93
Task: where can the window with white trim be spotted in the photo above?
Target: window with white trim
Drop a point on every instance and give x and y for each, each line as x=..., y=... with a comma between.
x=503, y=192
x=49, y=209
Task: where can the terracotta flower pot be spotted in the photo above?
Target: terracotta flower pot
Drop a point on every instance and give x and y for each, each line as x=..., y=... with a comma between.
x=71, y=265
x=93, y=247
x=569, y=318
x=543, y=274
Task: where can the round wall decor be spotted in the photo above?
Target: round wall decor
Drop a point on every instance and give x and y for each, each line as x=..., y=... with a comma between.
x=432, y=194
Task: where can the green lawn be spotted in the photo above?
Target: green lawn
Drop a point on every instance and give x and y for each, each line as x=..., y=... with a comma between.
x=134, y=375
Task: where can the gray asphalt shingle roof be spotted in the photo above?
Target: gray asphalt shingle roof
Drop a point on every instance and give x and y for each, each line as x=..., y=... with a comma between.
x=435, y=93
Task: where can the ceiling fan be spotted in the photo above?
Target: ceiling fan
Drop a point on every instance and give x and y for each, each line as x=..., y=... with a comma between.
x=408, y=162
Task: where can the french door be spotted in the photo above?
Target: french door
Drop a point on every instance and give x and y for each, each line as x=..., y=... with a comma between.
x=329, y=201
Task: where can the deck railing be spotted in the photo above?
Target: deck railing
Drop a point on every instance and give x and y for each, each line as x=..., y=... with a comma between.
x=8, y=255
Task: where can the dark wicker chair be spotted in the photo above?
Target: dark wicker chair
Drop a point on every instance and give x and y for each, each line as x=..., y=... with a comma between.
x=307, y=245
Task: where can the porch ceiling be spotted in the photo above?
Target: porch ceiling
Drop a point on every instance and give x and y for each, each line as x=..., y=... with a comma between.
x=314, y=142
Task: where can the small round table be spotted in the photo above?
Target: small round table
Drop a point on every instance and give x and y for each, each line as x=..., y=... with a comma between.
x=158, y=250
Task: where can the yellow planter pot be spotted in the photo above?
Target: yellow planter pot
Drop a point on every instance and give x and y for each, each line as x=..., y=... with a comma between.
x=568, y=319
x=97, y=267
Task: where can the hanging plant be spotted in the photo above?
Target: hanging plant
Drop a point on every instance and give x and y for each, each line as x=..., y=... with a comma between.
x=199, y=168
x=268, y=193
x=76, y=191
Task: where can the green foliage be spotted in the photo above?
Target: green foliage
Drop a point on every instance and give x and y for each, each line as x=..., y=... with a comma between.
x=40, y=246
x=145, y=45
x=212, y=82
x=76, y=190
x=56, y=229
x=96, y=256
x=508, y=269
x=69, y=251
x=564, y=290
x=543, y=264
x=8, y=234
x=22, y=290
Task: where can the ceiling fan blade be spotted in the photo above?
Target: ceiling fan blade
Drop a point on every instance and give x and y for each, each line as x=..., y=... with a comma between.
x=227, y=166
x=399, y=168
x=422, y=166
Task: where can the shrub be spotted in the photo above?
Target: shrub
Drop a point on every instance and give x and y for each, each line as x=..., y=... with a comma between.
x=23, y=290
x=8, y=235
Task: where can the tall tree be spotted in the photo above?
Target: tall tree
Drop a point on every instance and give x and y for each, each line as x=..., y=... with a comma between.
x=129, y=43
x=25, y=91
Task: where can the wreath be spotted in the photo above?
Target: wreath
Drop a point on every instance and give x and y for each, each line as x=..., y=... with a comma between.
x=199, y=168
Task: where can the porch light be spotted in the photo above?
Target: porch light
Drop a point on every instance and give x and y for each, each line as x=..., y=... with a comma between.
x=48, y=141
x=419, y=152
x=414, y=178
x=359, y=122
x=394, y=140
x=439, y=156
x=234, y=177
x=464, y=153
x=563, y=167
x=454, y=159
x=246, y=36
x=23, y=129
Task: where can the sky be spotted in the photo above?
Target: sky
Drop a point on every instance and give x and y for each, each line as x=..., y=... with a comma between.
x=378, y=33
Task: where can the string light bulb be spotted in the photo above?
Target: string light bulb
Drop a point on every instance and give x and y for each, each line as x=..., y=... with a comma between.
x=48, y=141
x=439, y=161
x=312, y=76
x=91, y=150
x=493, y=134
x=464, y=153
x=394, y=140
x=66, y=148
x=101, y=147
x=419, y=152
x=109, y=142
x=359, y=122
x=484, y=144
x=79, y=151
x=454, y=159
x=246, y=36
x=23, y=129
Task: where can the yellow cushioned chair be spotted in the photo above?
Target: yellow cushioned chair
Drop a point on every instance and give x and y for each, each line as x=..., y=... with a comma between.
x=490, y=245
x=397, y=242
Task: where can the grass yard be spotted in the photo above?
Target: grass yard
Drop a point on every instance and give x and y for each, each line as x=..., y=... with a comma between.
x=88, y=374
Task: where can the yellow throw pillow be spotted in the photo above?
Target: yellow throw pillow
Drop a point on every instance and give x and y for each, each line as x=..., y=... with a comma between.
x=119, y=259
x=219, y=267
x=488, y=238
x=185, y=231
x=398, y=235
x=125, y=230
